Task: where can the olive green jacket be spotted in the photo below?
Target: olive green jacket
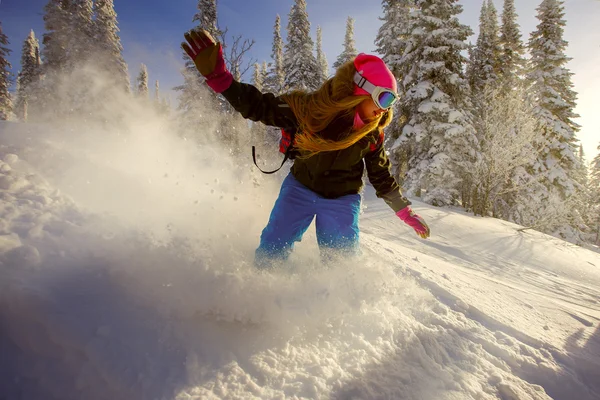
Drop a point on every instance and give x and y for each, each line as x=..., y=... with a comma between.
x=330, y=174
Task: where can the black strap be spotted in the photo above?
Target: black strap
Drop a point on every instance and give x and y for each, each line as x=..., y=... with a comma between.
x=286, y=156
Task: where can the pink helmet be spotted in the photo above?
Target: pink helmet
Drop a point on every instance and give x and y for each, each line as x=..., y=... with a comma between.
x=375, y=71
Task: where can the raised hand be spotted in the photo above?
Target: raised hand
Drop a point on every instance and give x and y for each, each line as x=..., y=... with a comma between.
x=207, y=55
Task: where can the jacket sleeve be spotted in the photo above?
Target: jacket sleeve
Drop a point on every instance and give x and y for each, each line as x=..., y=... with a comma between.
x=386, y=187
x=252, y=104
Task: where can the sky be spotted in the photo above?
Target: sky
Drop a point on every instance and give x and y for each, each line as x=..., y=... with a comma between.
x=124, y=275
x=151, y=32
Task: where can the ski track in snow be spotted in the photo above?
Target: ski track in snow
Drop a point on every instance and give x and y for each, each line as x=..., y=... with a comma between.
x=93, y=307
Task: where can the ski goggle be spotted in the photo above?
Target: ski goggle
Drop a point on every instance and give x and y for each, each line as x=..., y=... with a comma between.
x=384, y=98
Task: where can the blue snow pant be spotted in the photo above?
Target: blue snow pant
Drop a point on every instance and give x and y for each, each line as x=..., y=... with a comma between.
x=292, y=214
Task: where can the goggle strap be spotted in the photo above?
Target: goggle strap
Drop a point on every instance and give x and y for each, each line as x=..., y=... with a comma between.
x=363, y=83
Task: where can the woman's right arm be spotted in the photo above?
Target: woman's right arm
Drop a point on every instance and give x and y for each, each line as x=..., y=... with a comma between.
x=207, y=55
x=252, y=104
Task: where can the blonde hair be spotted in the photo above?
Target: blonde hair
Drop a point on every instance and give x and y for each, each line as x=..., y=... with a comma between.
x=314, y=111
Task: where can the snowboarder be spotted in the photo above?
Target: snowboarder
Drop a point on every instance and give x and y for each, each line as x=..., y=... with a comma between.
x=335, y=131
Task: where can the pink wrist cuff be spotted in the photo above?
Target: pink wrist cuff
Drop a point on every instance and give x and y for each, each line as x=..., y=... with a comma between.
x=404, y=213
x=221, y=82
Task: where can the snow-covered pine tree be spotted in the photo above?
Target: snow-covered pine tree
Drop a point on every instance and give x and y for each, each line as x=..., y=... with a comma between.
x=56, y=36
x=512, y=60
x=156, y=93
x=264, y=73
x=77, y=95
x=5, y=77
x=207, y=18
x=391, y=42
x=257, y=77
x=554, y=99
x=28, y=79
x=300, y=64
x=55, y=40
x=484, y=66
x=349, y=51
x=275, y=80
x=437, y=104
x=595, y=174
x=393, y=34
x=81, y=38
x=582, y=168
x=585, y=197
x=160, y=104
x=165, y=106
x=108, y=44
x=321, y=57
x=506, y=132
x=142, y=82
x=20, y=104
x=195, y=98
x=594, y=190
x=483, y=72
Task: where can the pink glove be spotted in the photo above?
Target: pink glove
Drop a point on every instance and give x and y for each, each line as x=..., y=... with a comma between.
x=207, y=55
x=416, y=222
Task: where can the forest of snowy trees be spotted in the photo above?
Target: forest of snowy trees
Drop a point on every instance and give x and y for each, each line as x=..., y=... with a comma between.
x=487, y=126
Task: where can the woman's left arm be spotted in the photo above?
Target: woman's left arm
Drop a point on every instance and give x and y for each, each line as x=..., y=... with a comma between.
x=378, y=170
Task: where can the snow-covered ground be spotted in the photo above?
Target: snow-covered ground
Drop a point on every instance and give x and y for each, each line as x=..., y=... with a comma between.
x=126, y=273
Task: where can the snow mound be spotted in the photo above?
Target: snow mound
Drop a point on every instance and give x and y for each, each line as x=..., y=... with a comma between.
x=125, y=277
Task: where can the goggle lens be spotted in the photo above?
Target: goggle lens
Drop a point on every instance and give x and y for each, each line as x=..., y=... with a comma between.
x=387, y=99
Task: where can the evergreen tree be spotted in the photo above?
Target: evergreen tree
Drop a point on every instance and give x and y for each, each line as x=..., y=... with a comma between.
x=165, y=106
x=321, y=57
x=5, y=78
x=554, y=98
x=264, y=73
x=257, y=77
x=20, y=106
x=156, y=93
x=56, y=37
x=300, y=64
x=584, y=197
x=512, y=61
x=436, y=103
x=392, y=39
x=393, y=35
x=56, y=40
x=594, y=191
x=506, y=132
x=161, y=104
x=108, y=44
x=207, y=18
x=275, y=81
x=142, y=82
x=483, y=73
x=595, y=174
x=194, y=95
x=28, y=79
x=81, y=38
x=582, y=169
x=484, y=64
x=349, y=51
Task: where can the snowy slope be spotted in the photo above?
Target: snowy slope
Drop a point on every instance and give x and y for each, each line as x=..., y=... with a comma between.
x=125, y=273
